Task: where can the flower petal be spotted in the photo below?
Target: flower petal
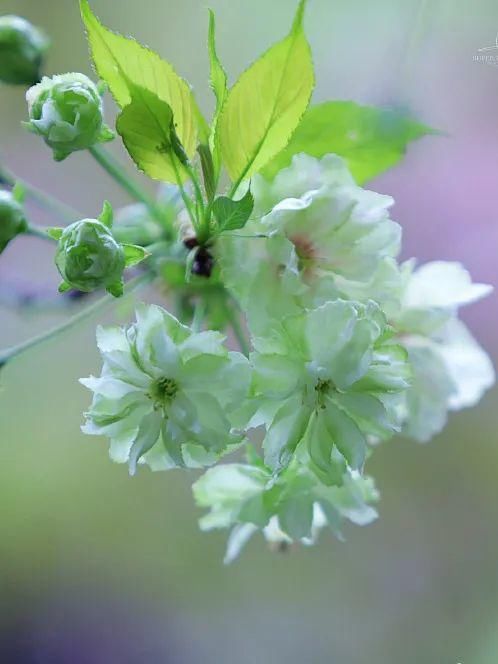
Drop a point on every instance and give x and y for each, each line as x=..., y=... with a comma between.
x=147, y=436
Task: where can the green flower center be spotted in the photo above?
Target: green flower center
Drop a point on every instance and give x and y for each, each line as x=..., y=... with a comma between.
x=322, y=388
x=163, y=391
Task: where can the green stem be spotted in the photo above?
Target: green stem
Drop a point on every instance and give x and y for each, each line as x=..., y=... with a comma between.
x=235, y=324
x=39, y=231
x=47, y=201
x=197, y=188
x=114, y=169
x=186, y=199
x=14, y=351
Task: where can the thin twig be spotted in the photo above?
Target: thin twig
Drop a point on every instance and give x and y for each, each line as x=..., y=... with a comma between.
x=47, y=201
x=115, y=170
x=14, y=351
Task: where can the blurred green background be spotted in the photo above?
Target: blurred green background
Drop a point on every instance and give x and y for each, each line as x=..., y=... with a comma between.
x=97, y=567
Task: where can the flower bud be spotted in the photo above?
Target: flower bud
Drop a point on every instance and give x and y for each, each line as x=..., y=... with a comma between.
x=12, y=218
x=135, y=225
x=67, y=111
x=22, y=48
x=88, y=257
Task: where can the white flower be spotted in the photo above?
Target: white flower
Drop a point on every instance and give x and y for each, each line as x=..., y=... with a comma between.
x=433, y=294
x=293, y=507
x=304, y=174
x=325, y=238
x=165, y=393
x=450, y=370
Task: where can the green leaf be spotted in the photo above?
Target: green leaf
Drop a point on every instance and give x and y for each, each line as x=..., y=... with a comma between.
x=116, y=290
x=134, y=254
x=266, y=104
x=64, y=287
x=119, y=61
x=106, y=135
x=218, y=82
x=55, y=233
x=19, y=192
x=146, y=127
x=370, y=139
x=107, y=215
x=218, y=77
x=232, y=215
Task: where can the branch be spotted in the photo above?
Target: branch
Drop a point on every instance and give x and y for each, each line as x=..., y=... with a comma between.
x=46, y=201
x=14, y=351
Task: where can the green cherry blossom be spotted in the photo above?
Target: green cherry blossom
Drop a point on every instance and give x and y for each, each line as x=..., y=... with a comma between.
x=304, y=174
x=324, y=380
x=294, y=507
x=165, y=393
x=339, y=229
x=326, y=238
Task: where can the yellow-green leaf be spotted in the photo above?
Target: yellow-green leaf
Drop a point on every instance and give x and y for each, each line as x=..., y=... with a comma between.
x=218, y=82
x=218, y=77
x=119, y=60
x=266, y=104
x=370, y=139
x=146, y=127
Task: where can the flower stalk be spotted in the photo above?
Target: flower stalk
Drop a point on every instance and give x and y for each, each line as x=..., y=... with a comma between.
x=13, y=352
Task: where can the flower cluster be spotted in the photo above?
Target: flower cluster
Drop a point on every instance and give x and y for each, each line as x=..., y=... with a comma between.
x=349, y=347
x=342, y=345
